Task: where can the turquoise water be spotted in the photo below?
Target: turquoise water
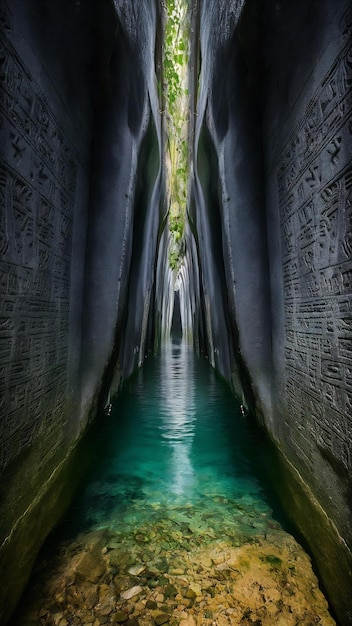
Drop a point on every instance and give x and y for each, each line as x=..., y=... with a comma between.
x=175, y=441
x=173, y=524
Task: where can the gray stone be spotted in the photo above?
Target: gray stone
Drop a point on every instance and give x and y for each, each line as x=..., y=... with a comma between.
x=273, y=246
x=80, y=166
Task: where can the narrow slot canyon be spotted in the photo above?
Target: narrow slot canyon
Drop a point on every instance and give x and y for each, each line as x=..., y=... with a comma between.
x=176, y=312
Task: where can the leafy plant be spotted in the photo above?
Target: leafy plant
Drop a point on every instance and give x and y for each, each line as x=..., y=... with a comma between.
x=176, y=55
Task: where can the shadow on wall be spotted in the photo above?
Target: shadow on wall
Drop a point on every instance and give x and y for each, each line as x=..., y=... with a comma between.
x=78, y=94
x=273, y=104
x=176, y=326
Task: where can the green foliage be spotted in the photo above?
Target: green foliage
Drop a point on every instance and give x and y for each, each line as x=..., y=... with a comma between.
x=174, y=260
x=176, y=91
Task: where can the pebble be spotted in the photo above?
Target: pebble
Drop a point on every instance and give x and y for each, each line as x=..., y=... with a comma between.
x=162, y=618
x=189, y=593
x=189, y=621
x=170, y=591
x=136, y=570
x=202, y=581
x=119, y=617
x=151, y=604
x=130, y=593
x=146, y=621
x=89, y=566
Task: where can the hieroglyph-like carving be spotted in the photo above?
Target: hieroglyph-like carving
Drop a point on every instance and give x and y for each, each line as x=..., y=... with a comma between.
x=315, y=199
x=37, y=186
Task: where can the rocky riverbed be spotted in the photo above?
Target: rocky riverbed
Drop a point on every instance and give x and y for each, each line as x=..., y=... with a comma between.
x=177, y=567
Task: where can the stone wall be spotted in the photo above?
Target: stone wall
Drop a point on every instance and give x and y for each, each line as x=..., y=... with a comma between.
x=308, y=142
x=271, y=208
x=227, y=204
x=78, y=104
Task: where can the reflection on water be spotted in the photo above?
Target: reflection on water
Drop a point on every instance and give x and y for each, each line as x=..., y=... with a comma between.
x=177, y=417
x=175, y=436
x=173, y=525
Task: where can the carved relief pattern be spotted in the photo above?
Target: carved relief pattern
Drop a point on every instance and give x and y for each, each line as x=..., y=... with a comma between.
x=37, y=187
x=315, y=199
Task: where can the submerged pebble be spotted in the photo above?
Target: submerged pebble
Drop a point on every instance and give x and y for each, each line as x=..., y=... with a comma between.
x=266, y=582
x=135, y=570
x=130, y=593
x=176, y=509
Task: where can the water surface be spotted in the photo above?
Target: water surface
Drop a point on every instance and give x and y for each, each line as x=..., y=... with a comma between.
x=175, y=437
x=174, y=524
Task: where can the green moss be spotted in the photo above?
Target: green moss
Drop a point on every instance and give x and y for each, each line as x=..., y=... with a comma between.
x=273, y=560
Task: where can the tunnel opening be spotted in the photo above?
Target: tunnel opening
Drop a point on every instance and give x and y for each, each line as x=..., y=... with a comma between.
x=176, y=326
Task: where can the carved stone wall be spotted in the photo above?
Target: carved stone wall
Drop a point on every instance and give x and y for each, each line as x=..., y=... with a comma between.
x=37, y=189
x=275, y=98
x=314, y=183
x=44, y=183
x=77, y=95
x=308, y=139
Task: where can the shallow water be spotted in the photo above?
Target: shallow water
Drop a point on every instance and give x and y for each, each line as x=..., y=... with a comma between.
x=175, y=437
x=174, y=524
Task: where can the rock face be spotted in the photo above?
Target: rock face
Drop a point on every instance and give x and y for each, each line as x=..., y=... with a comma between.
x=80, y=192
x=271, y=217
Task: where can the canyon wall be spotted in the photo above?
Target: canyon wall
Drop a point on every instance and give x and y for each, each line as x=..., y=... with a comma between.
x=265, y=289
x=80, y=189
x=271, y=216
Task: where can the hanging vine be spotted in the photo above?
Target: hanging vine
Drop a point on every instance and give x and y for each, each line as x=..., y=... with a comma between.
x=176, y=54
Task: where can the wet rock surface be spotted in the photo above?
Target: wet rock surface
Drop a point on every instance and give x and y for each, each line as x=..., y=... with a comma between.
x=272, y=152
x=177, y=569
x=80, y=105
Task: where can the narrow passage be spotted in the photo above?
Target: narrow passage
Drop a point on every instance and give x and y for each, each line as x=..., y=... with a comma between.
x=173, y=524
